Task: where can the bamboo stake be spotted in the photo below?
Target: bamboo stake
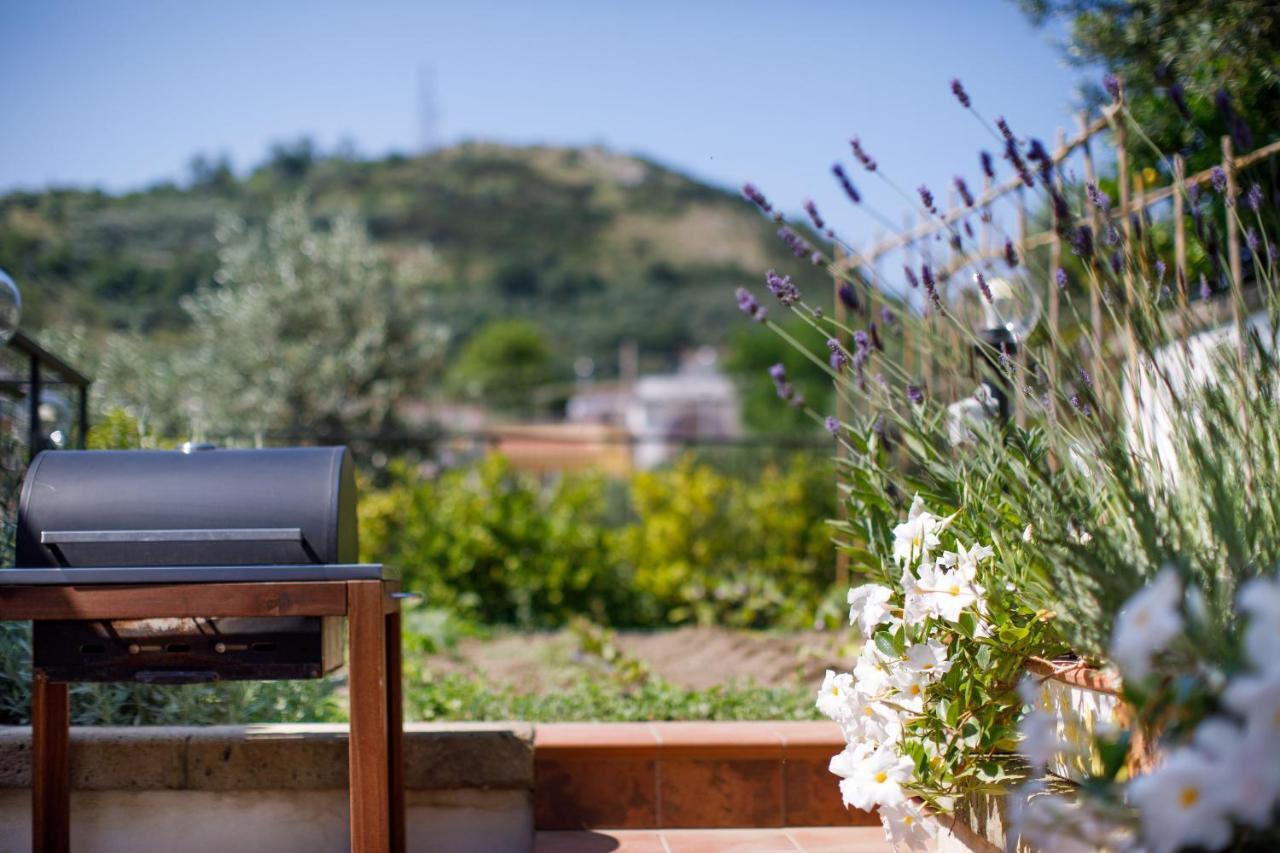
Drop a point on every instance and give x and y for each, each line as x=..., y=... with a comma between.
x=1180, y=233
x=1233, y=250
x=1055, y=261
x=1126, y=224
x=1019, y=363
x=842, y=413
x=1095, y=223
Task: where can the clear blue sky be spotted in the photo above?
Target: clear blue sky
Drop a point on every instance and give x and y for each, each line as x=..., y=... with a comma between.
x=121, y=94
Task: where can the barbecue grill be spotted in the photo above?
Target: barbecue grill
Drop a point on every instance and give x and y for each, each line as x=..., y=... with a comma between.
x=171, y=567
x=215, y=515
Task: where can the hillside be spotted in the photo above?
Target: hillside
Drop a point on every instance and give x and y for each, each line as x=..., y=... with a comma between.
x=594, y=246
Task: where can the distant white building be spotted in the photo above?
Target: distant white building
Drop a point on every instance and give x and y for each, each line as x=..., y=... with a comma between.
x=662, y=413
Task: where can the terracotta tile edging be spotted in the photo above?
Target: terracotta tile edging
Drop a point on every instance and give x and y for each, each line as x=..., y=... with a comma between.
x=688, y=775
x=1076, y=674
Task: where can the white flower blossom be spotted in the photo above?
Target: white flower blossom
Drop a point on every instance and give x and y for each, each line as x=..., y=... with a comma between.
x=907, y=828
x=965, y=561
x=1146, y=624
x=1261, y=600
x=875, y=779
x=940, y=593
x=871, y=672
x=909, y=690
x=929, y=658
x=1184, y=803
x=917, y=537
x=834, y=697
x=1256, y=698
x=1252, y=777
x=869, y=606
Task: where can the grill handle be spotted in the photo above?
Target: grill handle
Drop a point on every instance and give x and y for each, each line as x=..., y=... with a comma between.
x=57, y=538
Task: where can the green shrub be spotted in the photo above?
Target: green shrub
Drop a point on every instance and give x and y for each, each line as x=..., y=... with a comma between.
x=501, y=547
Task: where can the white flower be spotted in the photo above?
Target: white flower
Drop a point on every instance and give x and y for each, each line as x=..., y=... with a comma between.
x=1051, y=822
x=929, y=658
x=1184, y=802
x=906, y=827
x=871, y=673
x=1146, y=624
x=1029, y=534
x=966, y=561
x=1261, y=600
x=834, y=697
x=1253, y=775
x=909, y=690
x=869, y=607
x=872, y=780
x=940, y=593
x=1256, y=698
x=917, y=537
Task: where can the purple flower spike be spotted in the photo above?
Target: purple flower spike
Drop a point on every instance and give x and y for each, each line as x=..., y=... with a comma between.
x=874, y=334
x=782, y=287
x=833, y=426
x=1179, y=99
x=926, y=276
x=1010, y=254
x=887, y=316
x=1100, y=199
x=1060, y=276
x=1193, y=195
x=1111, y=83
x=1254, y=198
x=845, y=183
x=981, y=281
x=957, y=89
x=1117, y=261
x=1003, y=127
x=1252, y=239
x=963, y=189
x=867, y=161
x=988, y=165
x=1218, y=177
x=1082, y=243
x=911, y=276
x=812, y=209
x=748, y=305
x=848, y=296
x=797, y=244
x=861, y=343
x=1161, y=269
x=926, y=198
x=915, y=395
x=753, y=195
x=1205, y=291
x=838, y=360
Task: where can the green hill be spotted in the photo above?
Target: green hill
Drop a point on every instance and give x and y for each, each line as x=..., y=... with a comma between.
x=594, y=246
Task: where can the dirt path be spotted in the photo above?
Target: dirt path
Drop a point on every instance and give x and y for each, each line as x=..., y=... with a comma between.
x=692, y=657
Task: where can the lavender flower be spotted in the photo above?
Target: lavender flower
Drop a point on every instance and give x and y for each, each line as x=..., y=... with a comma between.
x=926, y=275
x=1205, y=290
x=848, y=296
x=1015, y=159
x=833, y=426
x=1010, y=254
x=1218, y=178
x=1061, y=211
x=982, y=286
x=1100, y=199
x=812, y=209
x=1081, y=406
x=887, y=316
x=1117, y=261
x=838, y=360
x=1060, y=276
x=847, y=184
x=1254, y=198
x=1111, y=83
x=1003, y=127
x=988, y=166
x=926, y=198
x=1036, y=151
x=867, y=161
x=782, y=287
x=1222, y=100
x=874, y=334
x=1086, y=378
x=817, y=258
x=963, y=189
x=1082, y=243
x=911, y=276
x=1161, y=269
x=957, y=89
x=778, y=372
x=748, y=305
x=1179, y=100
x=1113, y=235
x=798, y=245
x=1252, y=239
x=753, y=195
x=1193, y=195
x=1241, y=134
x=915, y=395
x=968, y=229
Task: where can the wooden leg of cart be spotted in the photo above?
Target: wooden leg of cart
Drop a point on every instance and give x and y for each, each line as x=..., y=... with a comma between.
x=50, y=767
x=369, y=739
x=395, y=730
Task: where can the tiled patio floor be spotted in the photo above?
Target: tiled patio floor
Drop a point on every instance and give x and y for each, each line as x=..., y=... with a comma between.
x=796, y=839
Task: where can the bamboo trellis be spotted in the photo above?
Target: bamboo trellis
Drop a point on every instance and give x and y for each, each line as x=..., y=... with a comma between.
x=1135, y=200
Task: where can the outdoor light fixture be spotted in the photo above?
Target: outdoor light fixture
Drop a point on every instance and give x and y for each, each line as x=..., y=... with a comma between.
x=10, y=307
x=1002, y=312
